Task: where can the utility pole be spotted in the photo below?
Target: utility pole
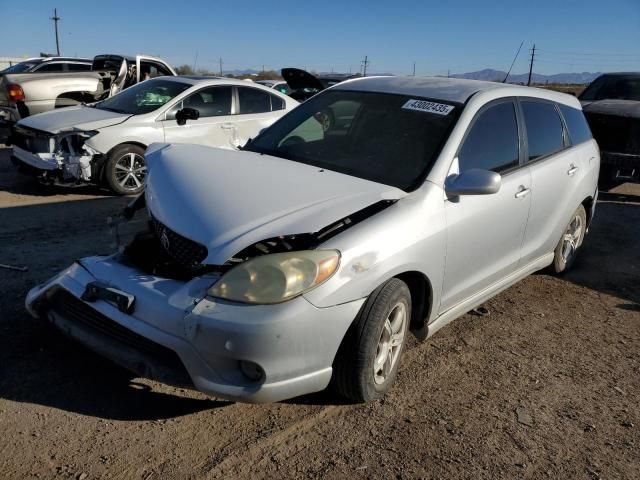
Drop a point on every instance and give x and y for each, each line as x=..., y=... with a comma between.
x=414, y=69
x=220, y=66
x=365, y=64
x=56, y=19
x=448, y=73
x=533, y=55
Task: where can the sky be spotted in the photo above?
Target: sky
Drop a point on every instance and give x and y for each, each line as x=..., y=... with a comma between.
x=439, y=36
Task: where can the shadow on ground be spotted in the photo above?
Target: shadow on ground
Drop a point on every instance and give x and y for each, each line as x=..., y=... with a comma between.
x=610, y=258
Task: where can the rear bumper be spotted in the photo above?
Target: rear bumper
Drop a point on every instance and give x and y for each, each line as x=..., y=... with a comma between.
x=5, y=130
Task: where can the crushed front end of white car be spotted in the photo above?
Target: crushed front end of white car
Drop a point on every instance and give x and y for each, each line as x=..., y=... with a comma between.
x=61, y=158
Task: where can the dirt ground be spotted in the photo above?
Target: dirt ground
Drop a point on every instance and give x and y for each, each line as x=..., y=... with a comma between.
x=544, y=386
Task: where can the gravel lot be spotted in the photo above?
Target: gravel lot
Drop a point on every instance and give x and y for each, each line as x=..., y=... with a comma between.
x=546, y=385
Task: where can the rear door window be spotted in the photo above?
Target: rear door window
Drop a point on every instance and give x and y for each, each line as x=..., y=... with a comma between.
x=579, y=131
x=253, y=100
x=50, y=67
x=492, y=142
x=544, y=128
x=79, y=67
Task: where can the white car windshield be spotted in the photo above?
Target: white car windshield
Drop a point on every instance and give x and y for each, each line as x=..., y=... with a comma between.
x=387, y=138
x=144, y=97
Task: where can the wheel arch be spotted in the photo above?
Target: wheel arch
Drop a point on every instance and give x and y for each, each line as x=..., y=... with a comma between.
x=421, y=299
x=588, y=204
x=106, y=156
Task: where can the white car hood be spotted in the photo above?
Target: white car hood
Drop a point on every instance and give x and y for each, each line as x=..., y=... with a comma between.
x=76, y=118
x=229, y=200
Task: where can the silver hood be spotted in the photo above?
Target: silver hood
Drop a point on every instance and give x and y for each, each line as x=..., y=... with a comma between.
x=229, y=200
x=80, y=118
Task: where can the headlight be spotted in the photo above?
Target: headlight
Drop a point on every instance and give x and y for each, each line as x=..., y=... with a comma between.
x=277, y=277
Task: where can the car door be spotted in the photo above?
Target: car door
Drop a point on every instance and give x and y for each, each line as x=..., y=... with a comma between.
x=257, y=109
x=213, y=128
x=554, y=169
x=485, y=232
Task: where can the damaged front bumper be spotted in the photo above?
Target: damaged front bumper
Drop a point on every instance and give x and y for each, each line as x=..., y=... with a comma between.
x=60, y=158
x=251, y=353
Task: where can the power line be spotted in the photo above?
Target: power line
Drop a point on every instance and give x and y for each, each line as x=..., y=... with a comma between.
x=514, y=61
x=590, y=54
x=533, y=55
x=56, y=19
x=365, y=64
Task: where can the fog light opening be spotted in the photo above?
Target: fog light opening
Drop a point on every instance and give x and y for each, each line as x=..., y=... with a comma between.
x=251, y=370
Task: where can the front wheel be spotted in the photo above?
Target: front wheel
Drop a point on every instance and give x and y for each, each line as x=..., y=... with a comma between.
x=571, y=241
x=126, y=169
x=367, y=362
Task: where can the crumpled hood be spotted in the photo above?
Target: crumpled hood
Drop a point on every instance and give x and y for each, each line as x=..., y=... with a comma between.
x=80, y=118
x=229, y=200
x=621, y=108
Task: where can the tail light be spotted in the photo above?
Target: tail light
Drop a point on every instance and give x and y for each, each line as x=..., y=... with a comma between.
x=15, y=93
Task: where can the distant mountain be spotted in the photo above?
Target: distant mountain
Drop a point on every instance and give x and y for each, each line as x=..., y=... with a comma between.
x=498, y=75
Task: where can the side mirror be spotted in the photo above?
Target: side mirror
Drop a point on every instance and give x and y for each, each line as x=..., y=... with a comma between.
x=187, y=114
x=473, y=182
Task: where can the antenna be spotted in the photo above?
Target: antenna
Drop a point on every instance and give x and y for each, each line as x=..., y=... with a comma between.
x=56, y=19
x=514, y=61
x=414, y=69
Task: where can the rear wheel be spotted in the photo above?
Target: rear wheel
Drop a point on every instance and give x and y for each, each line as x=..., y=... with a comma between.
x=367, y=362
x=571, y=241
x=126, y=169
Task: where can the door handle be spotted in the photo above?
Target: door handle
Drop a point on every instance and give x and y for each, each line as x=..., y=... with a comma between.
x=572, y=170
x=523, y=192
x=227, y=126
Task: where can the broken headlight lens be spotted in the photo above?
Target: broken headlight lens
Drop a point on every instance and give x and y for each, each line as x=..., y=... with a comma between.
x=276, y=277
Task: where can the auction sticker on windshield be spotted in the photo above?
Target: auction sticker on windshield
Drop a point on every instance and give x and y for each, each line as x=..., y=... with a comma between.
x=426, y=106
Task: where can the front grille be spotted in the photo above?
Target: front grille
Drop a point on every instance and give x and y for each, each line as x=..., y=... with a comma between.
x=32, y=140
x=615, y=133
x=77, y=311
x=181, y=249
x=123, y=346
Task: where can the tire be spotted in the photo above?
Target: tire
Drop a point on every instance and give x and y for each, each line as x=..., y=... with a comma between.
x=357, y=374
x=125, y=169
x=570, y=242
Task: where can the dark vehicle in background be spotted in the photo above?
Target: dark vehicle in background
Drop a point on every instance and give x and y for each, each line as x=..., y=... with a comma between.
x=305, y=85
x=611, y=104
x=50, y=65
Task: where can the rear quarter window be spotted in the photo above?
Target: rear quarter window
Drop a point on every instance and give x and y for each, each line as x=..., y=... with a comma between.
x=544, y=128
x=577, y=125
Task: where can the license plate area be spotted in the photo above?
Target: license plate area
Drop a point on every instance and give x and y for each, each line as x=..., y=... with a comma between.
x=123, y=301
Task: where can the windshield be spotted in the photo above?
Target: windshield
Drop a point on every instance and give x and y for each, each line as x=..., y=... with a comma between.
x=20, y=67
x=386, y=138
x=619, y=88
x=144, y=97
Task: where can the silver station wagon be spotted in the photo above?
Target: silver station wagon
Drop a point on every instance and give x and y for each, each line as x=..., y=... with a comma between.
x=380, y=206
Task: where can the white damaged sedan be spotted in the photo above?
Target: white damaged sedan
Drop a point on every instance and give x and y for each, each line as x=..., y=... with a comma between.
x=304, y=258
x=104, y=143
